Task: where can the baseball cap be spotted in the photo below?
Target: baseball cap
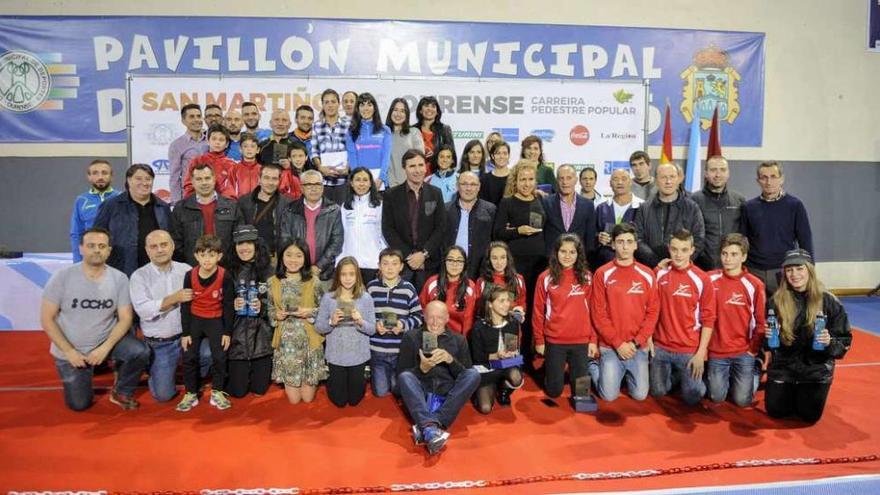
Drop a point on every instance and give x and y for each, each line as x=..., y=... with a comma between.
x=797, y=257
x=245, y=233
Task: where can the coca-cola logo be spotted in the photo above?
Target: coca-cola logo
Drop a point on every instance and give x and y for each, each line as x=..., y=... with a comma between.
x=579, y=135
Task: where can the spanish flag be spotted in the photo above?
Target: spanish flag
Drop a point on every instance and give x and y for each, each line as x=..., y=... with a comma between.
x=666, y=154
x=714, y=137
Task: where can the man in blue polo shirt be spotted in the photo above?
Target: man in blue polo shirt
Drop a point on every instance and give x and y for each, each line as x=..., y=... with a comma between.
x=99, y=173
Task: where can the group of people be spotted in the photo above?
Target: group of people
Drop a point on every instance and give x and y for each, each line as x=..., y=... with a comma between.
x=349, y=249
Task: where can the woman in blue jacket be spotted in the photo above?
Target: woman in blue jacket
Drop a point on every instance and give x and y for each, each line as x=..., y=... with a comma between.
x=368, y=141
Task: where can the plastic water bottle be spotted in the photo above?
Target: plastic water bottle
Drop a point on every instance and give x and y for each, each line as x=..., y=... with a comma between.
x=252, y=295
x=773, y=325
x=817, y=329
x=241, y=292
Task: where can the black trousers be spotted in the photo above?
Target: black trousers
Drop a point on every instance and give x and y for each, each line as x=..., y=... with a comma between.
x=555, y=357
x=806, y=401
x=346, y=384
x=249, y=375
x=211, y=329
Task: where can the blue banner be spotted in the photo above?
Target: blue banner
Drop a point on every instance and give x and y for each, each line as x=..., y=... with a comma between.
x=63, y=79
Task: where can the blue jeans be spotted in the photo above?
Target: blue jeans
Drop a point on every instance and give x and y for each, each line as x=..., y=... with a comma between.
x=131, y=357
x=383, y=373
x=669, y=369
x=613, y=370
x=166, y=356
x=734, y=375
x=415, y=398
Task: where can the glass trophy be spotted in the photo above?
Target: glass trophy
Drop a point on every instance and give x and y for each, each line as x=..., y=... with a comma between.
x=389, y=320
x=347, y=307
x=279, y=152
x=536, y=220
x=429, y=343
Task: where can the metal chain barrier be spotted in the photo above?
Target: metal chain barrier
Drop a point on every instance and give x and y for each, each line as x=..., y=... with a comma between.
x=471, y=484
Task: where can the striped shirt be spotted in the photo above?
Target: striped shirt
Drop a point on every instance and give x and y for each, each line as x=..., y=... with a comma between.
x=328, y=138
x=402, y=300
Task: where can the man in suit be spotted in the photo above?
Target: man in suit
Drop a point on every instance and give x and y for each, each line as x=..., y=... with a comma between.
x=620, y=208
x=568, y=212
x=414, y=220
x=469, y=222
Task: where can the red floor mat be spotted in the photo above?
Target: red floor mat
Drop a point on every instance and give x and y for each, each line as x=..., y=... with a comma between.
x=265, y=442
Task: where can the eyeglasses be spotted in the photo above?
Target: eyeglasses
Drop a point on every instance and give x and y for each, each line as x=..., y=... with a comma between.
x=312, y=184
x=455, y=261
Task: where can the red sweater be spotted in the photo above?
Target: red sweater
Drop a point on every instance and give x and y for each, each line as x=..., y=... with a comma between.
x=561, y=311
x=207, y=302
x=223, y=176
x=460, y=321
x=687, y=304
x=246, y=177
x=290, y=185
x=740, y=323
x=498, y=279
x=625, y=304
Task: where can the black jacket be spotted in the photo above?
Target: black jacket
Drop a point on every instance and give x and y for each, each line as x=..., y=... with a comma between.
x=252, y=336
x=583, y=224
x=441, y=378
x=188, y=224
x=480, y=222
x=431, y=223
x=119, y=215
x=657, y=221
x=798, y=362
x=721, y=216
x=247, y=207
x=442, y=136
x=328, y=233
x=483, y=339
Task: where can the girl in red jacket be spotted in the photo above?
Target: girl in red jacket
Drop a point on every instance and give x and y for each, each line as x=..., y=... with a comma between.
x=561, y=317
x=453, y=287
x=499, y=271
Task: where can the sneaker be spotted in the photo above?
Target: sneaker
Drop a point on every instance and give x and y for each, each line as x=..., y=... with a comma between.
x=417, y=435
x=435, y=438
x=126, y=402
x=220, y=399
x=189, y=401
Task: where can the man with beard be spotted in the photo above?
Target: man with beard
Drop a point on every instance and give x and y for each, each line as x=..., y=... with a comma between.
x=99, y=173
x=721, y=208
x=250, y=114
x=182, y=150
x=213, y=115
x=305, y=118
x=234, y=123
x=86, y=312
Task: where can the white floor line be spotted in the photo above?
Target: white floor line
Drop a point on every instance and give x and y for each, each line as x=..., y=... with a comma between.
x=727, y=488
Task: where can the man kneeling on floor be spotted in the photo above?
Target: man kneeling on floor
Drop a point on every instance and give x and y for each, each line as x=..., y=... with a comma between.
x=435, y=377
x=86, y=311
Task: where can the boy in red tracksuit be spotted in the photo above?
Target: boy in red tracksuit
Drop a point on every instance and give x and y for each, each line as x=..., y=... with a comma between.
x=561, y=323
x=218, y=141
x=687, y=316
x=246, y=174
x=625, y=306
x=736, y=340
x=209, y=315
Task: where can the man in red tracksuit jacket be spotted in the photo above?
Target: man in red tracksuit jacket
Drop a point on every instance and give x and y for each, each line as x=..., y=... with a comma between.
x=687, y=316
x=739, y=327
x=625, y=307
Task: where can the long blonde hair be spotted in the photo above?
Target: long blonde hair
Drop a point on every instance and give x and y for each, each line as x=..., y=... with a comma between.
x=786, y=307
x=510, y=187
